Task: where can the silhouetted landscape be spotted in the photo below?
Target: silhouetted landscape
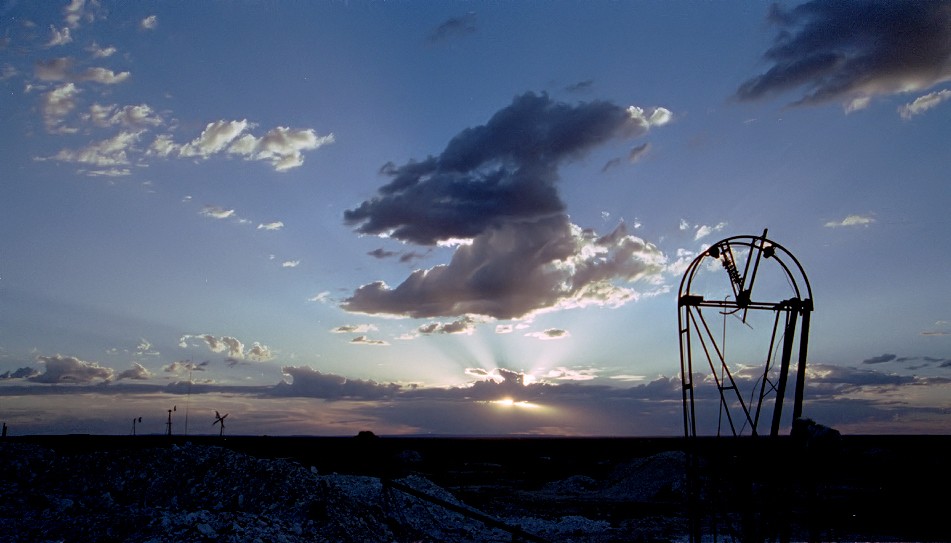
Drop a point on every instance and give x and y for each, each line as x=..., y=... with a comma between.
x=407, y=489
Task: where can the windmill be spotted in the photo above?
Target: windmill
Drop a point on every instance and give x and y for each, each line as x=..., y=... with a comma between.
x=220, y=419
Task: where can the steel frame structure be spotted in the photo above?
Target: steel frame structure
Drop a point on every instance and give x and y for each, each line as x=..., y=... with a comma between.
x=698, y=339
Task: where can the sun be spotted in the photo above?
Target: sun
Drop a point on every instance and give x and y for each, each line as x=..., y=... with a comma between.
x=511, y=403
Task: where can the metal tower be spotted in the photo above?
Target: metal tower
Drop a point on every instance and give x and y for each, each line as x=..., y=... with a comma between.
x=742, y=304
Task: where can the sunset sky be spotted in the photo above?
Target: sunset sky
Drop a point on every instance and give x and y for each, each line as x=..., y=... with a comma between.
x=461, y=218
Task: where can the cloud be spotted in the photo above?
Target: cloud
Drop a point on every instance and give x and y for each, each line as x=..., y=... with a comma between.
x=364, y=340
x=854, y=51
x=75, y=11
x=55, y=105
x=851, y=220
x=215, y=212
x=133, y=116
x=181, y=367
x=454, y=27
x=354, y=329
x=705, y=230
x=311, y=383
x=101, y=52
x=149, y=23
x=880, y=359
x=259, y=352
x=290, y=263
x=232, y=347
x=271, y=226
x=638, y=152
x=61, y=69
x=112, y=151
x=69, y=369
x=464, y=325
x=281, y=146
x=923, y=103
x=59, y=36
x=136, y=372
x=381, y=254
x=550, y=333
x=494, y=186
x=21, y=373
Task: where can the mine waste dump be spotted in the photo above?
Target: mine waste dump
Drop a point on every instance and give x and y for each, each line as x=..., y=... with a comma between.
x=401, y=489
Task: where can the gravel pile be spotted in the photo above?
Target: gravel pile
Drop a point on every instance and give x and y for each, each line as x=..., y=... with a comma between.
x=209, y=493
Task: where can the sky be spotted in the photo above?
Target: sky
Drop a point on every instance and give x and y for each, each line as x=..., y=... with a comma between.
x=461, y=218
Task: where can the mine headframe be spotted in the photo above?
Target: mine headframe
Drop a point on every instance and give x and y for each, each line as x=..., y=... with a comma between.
x=768, y=281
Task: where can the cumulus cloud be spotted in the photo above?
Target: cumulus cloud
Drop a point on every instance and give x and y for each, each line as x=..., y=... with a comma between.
x=854, y=51
x=69, y=369
x=136, y=372
x=308, y=382
x=923, y=103
x=259, y=352
x=232, y=347
x=493, y=186
x=281, y=146
x=290, y=263
x=215, y=212
x=851, y=220
x=149, y=23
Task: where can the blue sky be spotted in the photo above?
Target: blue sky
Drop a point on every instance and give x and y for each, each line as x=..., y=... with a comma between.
x=459, y=217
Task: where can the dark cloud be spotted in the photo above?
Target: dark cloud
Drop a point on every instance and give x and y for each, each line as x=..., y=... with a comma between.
x=493, y=186
x=311, y=383
x=581, y=87
x=854, y=51
x=454, y=27
x=380, y=253
x=21, y=373
x=500, y=172
x=69, y=369
x=364, y=340
x=880, y=359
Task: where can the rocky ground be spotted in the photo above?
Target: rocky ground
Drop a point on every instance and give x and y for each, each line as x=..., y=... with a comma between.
x=209, y=493
x=157, y=489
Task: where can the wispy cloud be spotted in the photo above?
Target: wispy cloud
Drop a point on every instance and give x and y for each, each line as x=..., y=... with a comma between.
x=923, y=103
x=454, y=27
x=851, y=220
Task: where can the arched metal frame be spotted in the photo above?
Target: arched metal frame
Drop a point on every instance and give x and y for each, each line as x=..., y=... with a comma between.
x=696, y=337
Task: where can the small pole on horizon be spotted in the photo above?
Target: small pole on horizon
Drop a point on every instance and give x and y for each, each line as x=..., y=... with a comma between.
x=188, y=398
x=134, y=419
x=168, y=424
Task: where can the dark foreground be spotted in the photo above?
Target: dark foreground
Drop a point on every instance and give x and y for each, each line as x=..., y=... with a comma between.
x=368, y=489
